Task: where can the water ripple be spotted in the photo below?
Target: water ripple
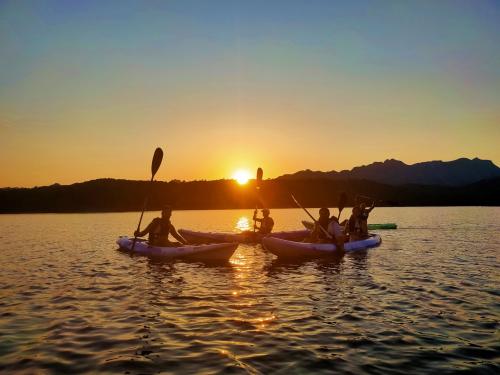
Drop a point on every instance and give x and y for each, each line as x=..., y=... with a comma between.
x=426, y=301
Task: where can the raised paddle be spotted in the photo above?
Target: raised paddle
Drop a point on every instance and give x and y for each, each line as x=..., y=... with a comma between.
x=155, y=165
x=342, y=203
x=258, y=182
x=312, y=217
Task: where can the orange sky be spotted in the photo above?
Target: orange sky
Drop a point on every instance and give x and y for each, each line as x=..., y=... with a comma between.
x=90, y=92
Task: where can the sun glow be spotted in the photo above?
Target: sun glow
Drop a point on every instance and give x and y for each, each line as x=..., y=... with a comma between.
x=241, y=176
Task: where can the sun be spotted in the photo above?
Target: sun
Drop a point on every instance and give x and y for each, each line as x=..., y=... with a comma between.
x=241, y=176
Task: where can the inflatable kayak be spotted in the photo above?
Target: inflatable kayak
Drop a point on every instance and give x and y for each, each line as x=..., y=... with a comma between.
x=291, y=249
x=243, y=237
x=309, y=225
x=221, y=251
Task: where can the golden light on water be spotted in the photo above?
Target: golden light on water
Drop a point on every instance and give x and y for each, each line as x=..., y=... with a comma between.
x=241, y=176
x=243, y=224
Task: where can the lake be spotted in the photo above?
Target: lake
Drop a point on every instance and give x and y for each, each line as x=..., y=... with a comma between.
x=426, y=301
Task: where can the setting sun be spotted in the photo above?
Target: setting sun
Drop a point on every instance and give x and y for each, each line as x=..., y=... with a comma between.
x=241, y=176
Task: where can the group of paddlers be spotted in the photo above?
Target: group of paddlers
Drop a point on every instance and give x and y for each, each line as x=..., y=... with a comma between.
x=327, y=228
x=353, y=229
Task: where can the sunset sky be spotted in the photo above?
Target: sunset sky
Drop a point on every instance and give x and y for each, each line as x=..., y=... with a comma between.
x=88, y=89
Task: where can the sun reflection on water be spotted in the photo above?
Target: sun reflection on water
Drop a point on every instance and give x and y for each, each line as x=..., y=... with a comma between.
x=243, y=224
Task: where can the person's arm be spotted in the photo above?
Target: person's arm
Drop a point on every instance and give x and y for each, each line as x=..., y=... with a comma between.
x=138, y=233
x=258, y=220
x=271, y=225
x=371, y=207
x=177, y=236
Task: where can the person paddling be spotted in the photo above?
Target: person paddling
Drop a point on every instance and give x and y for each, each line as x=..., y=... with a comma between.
x=355, y=225
x=266, y=223
x=160, y=228
x=321, y=226
x=363, y=217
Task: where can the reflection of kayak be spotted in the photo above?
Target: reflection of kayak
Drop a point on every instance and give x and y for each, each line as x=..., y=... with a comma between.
x=291, y=249
x=222, y=251
x=243, y=237
x=309, y=225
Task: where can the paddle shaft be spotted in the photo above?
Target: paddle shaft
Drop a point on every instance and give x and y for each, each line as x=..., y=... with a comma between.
x=342, y=202
x=258, y=181
x=142, y=212
x=155, y=165
x=312, y=217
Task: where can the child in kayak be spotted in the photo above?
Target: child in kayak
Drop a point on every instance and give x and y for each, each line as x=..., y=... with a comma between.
x=159, y=230
x=266, y=223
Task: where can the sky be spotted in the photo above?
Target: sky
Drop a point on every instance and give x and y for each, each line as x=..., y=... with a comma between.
x=88, y=89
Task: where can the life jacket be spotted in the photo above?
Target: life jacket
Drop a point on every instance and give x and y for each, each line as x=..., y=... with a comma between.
x=160, y=232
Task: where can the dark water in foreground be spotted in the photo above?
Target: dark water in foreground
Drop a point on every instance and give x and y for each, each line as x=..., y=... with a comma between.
x=426, y=301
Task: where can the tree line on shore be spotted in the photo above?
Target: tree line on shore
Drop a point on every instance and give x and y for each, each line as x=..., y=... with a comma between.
x=110, y=195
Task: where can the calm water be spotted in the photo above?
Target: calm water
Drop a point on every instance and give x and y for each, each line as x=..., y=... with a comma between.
x=426, y=301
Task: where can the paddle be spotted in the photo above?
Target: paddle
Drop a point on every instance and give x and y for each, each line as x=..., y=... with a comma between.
x=155, y=165
x=342, y=203
x=258, y=182
x=312, y=217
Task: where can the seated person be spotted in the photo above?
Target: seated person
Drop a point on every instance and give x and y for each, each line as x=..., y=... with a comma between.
x=266, y=223
x=159, y=230
x=363, y=217
x=354, y=226
x=337, y=232
x=320, y=229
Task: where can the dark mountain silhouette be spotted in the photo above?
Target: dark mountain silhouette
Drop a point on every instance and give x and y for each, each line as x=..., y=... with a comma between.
x=394, y=172
x=108, y=195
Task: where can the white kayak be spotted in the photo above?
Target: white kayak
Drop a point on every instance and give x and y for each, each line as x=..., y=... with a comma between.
x=242, y=237
x=220, y=251
x=291, y=249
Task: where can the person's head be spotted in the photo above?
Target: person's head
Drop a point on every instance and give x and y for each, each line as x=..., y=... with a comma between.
x=324, y=213
x=355, y=210
x=265, y=212
x=166, y=212
x=362, y=206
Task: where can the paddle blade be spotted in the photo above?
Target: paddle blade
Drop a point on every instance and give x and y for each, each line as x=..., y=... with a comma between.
x=258, y=179
x=260, y=173
x=342, y=201
x=157, y=158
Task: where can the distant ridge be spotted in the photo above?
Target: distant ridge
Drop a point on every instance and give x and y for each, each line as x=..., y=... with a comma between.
x=458, y=172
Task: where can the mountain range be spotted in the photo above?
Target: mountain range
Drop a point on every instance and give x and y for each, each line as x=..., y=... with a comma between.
x=394, y=172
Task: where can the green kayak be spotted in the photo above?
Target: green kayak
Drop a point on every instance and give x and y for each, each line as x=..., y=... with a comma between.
x=309, y=225
x=382, y=226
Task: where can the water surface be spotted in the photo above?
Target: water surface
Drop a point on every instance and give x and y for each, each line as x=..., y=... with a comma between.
x=426, y=301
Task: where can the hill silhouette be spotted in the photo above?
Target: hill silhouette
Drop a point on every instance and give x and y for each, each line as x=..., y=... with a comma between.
x=394, y=172
x=109, y=195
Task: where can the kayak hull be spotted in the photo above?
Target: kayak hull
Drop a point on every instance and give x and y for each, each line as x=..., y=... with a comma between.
x=243, y=237
x=213, y=252
x=291, y=249
x=310, y=225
